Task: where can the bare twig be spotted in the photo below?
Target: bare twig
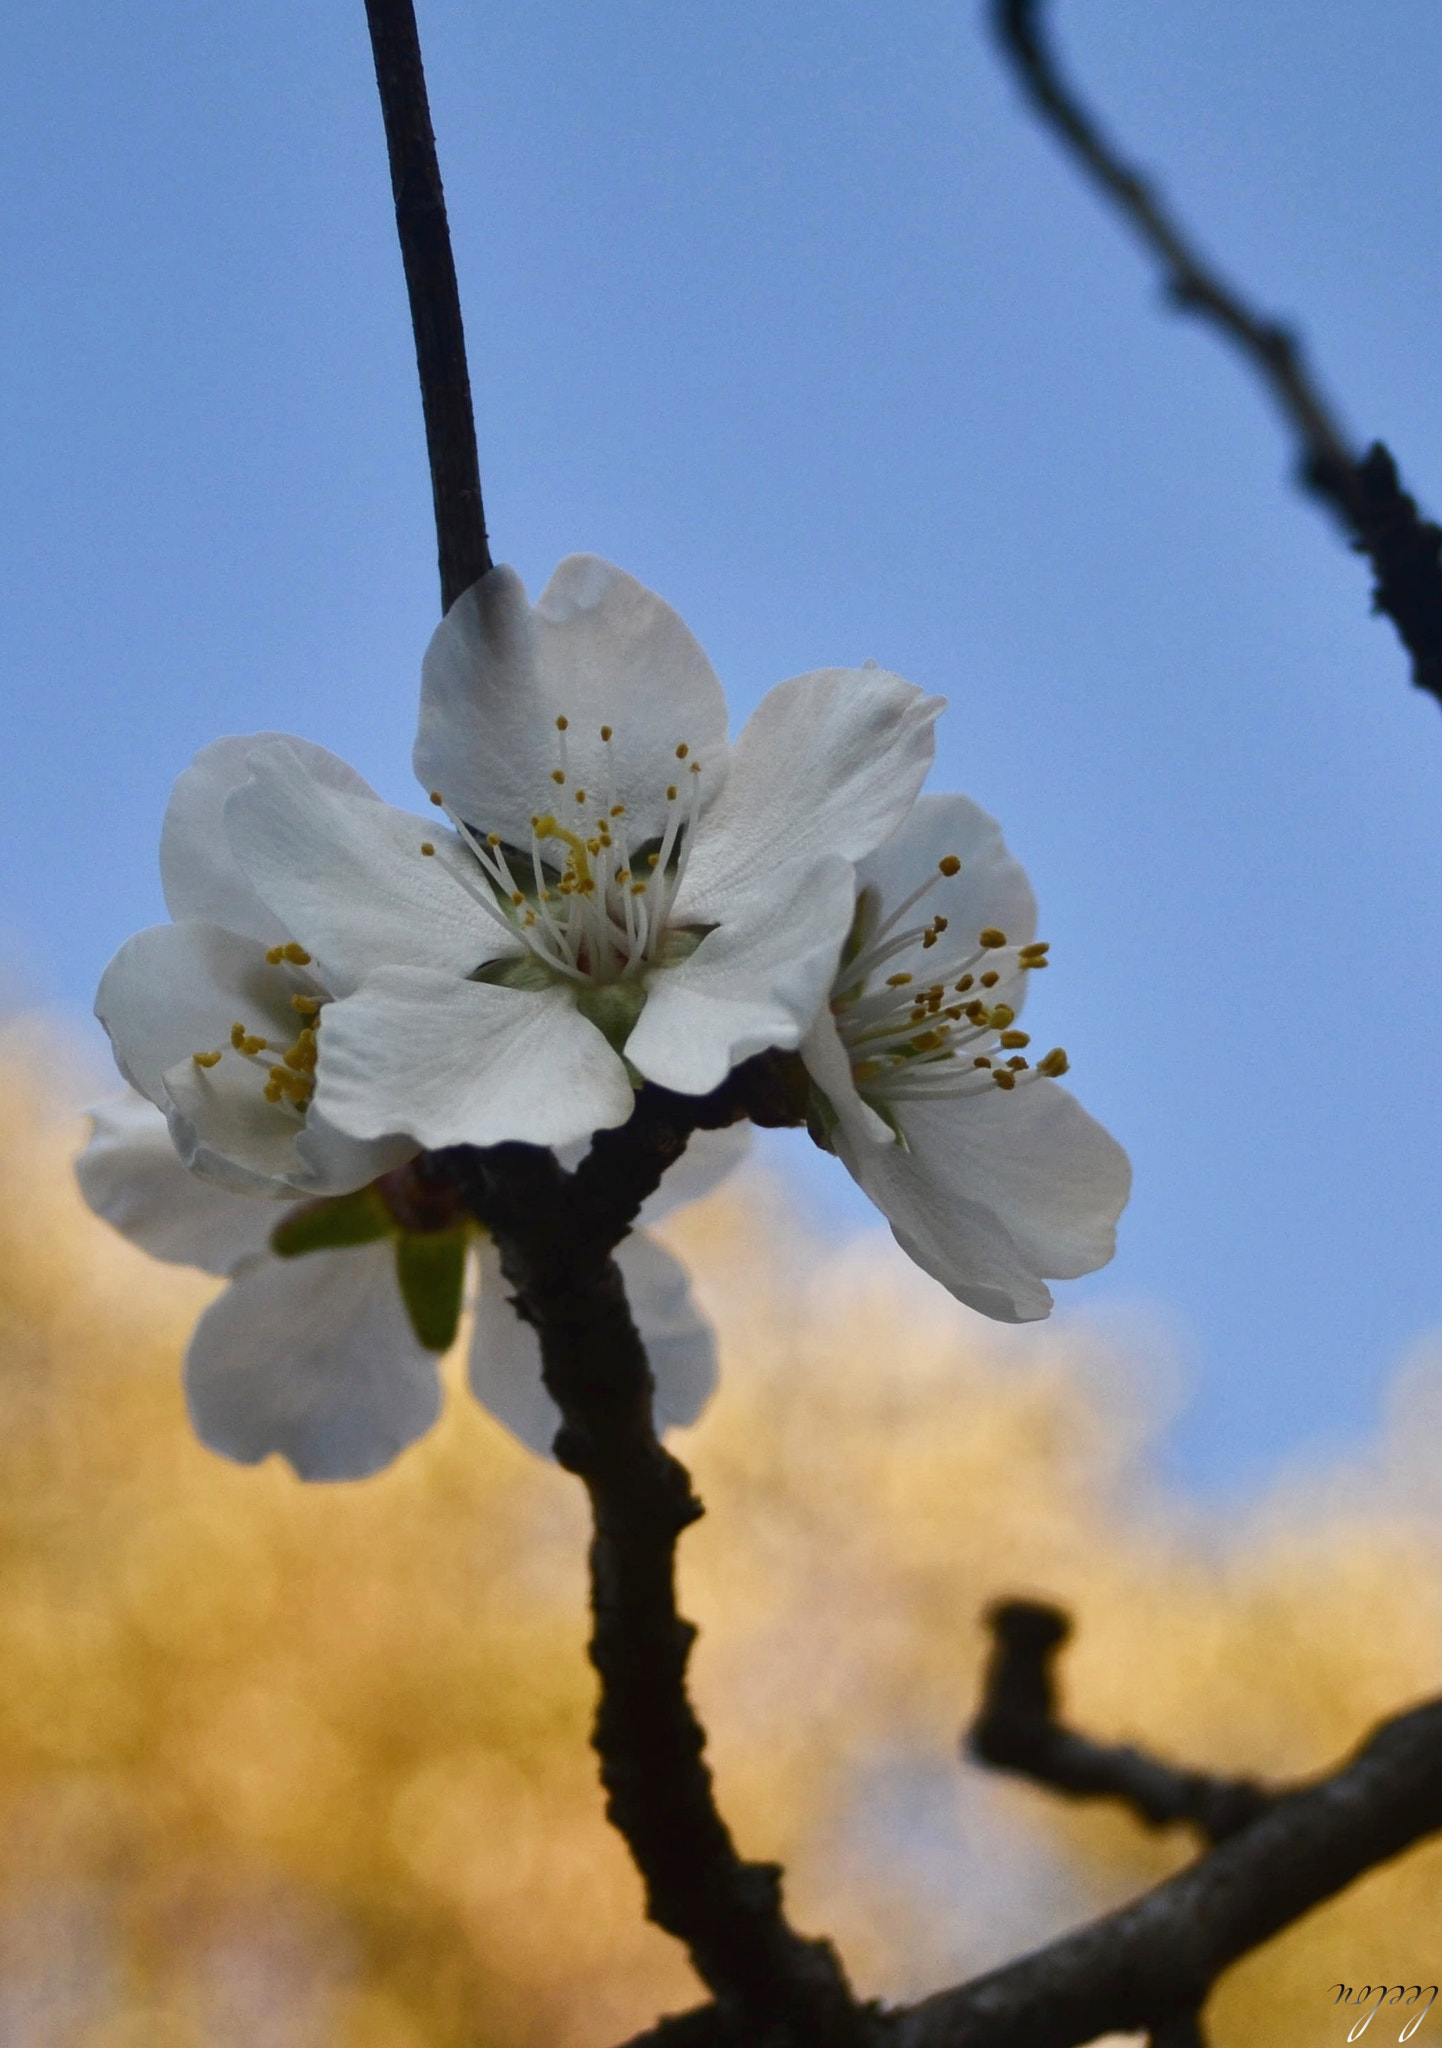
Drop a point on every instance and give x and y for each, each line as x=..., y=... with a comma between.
x=1017, y=1729
x=555, y=1233
x=1151, y=1965
x=1405, y=550
x=435, y=300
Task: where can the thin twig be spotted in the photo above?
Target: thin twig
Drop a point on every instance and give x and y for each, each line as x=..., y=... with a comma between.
x=435, y=300
x=555, y=1233
x=1017, y=1728
x=1151, y=1965
x=1405, y=549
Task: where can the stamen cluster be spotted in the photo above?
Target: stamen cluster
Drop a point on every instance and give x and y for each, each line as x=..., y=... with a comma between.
x=588, y=907
x=909, y=1039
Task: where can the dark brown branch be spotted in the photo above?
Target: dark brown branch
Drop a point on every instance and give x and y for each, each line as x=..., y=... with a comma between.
x=435, y=300
x=555, y=1233
x=1162, y=1954
x=1017, y=1729
x=1405, y=550
x=1151, y=1965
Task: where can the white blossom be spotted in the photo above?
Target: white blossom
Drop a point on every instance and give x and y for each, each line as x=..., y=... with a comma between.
x=314, y=1356
x=617, y=894
x=992, y=1177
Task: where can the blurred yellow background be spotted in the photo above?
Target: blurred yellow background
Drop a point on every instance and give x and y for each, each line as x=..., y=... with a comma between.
x=307, y=1768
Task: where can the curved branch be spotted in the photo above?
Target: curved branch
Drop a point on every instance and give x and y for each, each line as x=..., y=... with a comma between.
x=1017, y=1729
x=1405, y=550
x=435, y=300
x=1162, y=1954
x=555, y=1233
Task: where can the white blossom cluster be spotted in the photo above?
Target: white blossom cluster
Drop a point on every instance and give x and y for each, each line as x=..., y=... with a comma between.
x=603, y=893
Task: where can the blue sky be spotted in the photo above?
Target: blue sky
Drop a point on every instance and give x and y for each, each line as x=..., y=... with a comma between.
x=794, y=313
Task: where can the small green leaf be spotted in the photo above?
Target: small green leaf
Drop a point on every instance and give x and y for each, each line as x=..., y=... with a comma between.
x=431, y=1271
x=334, y=1221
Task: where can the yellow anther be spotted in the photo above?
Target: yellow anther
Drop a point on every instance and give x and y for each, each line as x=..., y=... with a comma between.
x=865, y=1070
x=652, y=859
x=272, y=1092
x=426, y=846
x=307, y=1005
x=618, y=810
x=1017, y=1063
x=670, y=792
x=251, y=1045
x=928, y=1041
x=562, y=724
x=301, y=1056
x=695, y=767
x=493, y=839
x=1034, y=963
x=1036, y=951
x=587, y=885
x=638, y=888
x=558, y=775
x=274, y=955
x=1002, y=1015
x=580, y=796
x=990, y=978
x=1010, y=1038
x=1003, y=1077
x=297, y=955
x=939, y=924
x=605, y=732
x=897, y=980
x=991, y=937
x=928, y=938
x=682, y=751
x=978, y=1012
x=206, y=1059
x=517, y=898
x=981, y=1060
x=1056, y=1063
x=593, y=847
x=437, y=798
x=967, y=981
x=949, y=864
x=954, y=1011
x=237, y=1036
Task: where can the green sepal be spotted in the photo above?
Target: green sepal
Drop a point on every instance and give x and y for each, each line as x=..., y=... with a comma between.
x=613, y=1007
x=431, y=1272
x=333, y=1221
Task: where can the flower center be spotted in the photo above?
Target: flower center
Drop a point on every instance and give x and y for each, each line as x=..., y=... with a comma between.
x=909, y=1037
x=589, y=906
x=289, y=1070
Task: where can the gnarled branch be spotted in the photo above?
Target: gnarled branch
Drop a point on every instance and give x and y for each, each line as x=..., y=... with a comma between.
x=1017, y=1729
x=1404, y=549
x=555, y=1233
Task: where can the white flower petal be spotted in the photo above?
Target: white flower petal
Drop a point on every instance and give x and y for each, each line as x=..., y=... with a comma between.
x=347, y=875
x=829, y=1066
x=598, y=649
x=955, y=1238
x=197, y=868
x=465, y=1063
x=314, y=1358
x=989, y=890
x=827, y=764
x=177, y=989
x=227, y=1133
x=505, y=1363
x=130, y=1174
x=329, y=1161
x=680, y=1343
x=756, y=981
x=709, y=1157
x=1047, y=1170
